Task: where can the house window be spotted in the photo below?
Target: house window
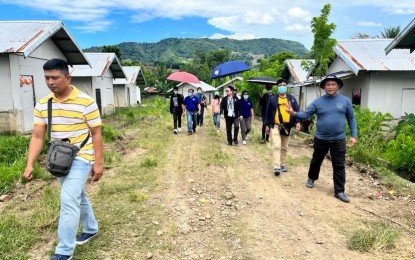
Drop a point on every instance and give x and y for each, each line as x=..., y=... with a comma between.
x=356, y=96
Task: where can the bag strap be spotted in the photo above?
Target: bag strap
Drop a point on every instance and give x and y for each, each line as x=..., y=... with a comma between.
x=50, y=125
x=279, y=112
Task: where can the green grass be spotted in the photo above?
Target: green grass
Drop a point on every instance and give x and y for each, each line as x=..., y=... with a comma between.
x=376, y=236
x=298, y=161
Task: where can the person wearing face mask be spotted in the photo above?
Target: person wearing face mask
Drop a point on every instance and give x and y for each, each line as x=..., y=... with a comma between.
x=191, y=105
x=216, y=110
x=246, y=115
x=332, y=111
x=280, y=121
x=229, y=107
x=176, y=101
x=203, y=102
x=263, y=101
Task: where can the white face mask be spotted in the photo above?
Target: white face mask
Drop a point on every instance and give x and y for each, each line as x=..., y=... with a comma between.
x=175, y=92
x=199, y=91
x=190, y=94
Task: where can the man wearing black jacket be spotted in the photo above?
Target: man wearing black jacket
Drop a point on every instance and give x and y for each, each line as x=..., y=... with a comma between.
x=229, y=107
x=176, y=101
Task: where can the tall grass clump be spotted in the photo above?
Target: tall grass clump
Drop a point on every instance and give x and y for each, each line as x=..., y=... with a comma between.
x=377, y=236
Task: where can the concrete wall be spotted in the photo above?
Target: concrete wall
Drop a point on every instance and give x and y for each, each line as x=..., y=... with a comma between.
x=84, y=84
x=12, y=66
x=120, y=96
x=107, y=92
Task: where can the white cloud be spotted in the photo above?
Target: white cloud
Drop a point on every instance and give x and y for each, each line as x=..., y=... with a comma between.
x=403, y=11
x=257, y=17
x=236, y=36
x=297, y=29
x=299, y=13
x=369, y=23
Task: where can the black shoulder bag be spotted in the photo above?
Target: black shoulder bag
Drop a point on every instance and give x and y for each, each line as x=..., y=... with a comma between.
x=60, y=153
x=285, y=128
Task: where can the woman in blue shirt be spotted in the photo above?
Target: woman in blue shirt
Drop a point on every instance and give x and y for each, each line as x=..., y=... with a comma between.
x=246, y=115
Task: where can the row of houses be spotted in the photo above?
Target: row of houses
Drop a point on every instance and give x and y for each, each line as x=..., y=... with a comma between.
x=378, y=74
x=26, y=45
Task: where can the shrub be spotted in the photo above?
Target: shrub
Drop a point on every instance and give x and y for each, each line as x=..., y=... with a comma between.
x=109, y=133
x=408, y=122
x=401, y=151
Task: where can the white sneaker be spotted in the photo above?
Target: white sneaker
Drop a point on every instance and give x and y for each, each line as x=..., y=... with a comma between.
x=180, y=130
x=244, y=142
x=175, y=131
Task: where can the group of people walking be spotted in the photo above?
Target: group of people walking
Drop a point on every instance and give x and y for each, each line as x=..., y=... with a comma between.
x=70, y=115
x=280, y=113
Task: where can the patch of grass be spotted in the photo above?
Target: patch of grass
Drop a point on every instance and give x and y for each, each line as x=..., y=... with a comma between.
x=149, y=162
x=109, y=134
x=137, y=197
x=298, y=161
x=111, y=157
x=377, y=236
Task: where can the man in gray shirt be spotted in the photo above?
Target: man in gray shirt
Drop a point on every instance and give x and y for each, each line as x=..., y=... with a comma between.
x=331, y=110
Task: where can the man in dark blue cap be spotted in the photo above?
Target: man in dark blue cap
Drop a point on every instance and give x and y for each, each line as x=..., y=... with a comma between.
x=331, y=110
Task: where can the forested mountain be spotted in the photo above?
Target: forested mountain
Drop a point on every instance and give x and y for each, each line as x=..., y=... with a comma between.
x=176, y=51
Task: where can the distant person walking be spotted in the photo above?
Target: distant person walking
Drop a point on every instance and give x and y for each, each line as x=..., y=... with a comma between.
x=276, y=115
x=203, y=104
x=247, y=114
x=75, y=116
x=191, y=105
x=176, y=102
x=263, y=101
x=331, y=109
x=216, y=110
x=229, y=107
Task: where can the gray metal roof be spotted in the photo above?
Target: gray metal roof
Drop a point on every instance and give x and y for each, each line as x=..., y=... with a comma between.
x=133, y=74
x=100, y=63
x=230, y=82
x=298, y=73
x=26, y=36
x=404, y=40
x=203, y=85
x=369, y=55
x=311, y=82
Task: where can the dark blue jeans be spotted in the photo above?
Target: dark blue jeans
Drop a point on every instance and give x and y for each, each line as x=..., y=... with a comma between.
x=337, y=150
x=200, y=116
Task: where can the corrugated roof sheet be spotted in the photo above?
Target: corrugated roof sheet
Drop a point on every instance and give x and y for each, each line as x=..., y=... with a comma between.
x=205, y=87
x=133, y=74
x=298, y=73
x=25, y=36
x=100, y=63
x=369, y=55
x=230, y=82
x=404, y=40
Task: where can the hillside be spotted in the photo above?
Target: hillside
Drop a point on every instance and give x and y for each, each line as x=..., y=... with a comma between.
x=176, y=51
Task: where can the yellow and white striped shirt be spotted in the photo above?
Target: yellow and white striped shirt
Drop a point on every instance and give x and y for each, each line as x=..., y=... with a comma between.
x=71, y=118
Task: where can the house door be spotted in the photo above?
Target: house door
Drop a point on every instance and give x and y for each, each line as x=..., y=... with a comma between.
x=408, y=101
x=27, y=97
x=98, y=99
x=128, y=103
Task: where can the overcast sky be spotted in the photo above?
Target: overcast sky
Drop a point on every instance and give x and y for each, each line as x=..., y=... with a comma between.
x=99, y=22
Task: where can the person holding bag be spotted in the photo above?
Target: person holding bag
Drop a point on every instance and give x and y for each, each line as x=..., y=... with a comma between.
x=280, y=121
x=75, y=149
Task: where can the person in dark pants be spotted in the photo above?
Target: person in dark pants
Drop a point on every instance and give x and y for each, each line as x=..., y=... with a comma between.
x=176, y=101
x=191, y=105
x=331, y=110
x=229, y=107
x=203, y=101
x=263, y=101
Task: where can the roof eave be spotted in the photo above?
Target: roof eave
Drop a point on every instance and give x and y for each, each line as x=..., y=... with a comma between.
x=410, y=28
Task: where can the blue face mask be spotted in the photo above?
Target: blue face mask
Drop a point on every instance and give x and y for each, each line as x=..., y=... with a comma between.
x=282, y=89
x=246, y=97
x=190, y=94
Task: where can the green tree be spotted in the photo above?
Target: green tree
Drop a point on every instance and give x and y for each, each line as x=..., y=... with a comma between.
x=390, y=32
x=323, y=45
x=161, y=72
x=360, y=35
x=112, y=48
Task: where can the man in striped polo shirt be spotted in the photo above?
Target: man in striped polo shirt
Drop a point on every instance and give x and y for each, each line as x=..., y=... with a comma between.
x=75, y=116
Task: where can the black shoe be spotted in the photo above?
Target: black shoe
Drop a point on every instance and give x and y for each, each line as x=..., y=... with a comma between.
x=235, y=142
x=84, y=238
x=189, y=133
x=310, y=183
x=194, y=130
x=262, y=141
x=230, y=143
x=341, y=196
x=277, y=171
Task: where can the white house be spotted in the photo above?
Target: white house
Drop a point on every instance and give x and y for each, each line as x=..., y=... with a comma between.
x=230, y=82
x=404, y=40
x=383, y=83
x=97, y=80
x=207, y=89
x=126, y=91
x=297, y=75
x=24, y=47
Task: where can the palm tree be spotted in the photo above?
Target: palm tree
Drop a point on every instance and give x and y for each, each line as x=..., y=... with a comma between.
x=390, y=32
